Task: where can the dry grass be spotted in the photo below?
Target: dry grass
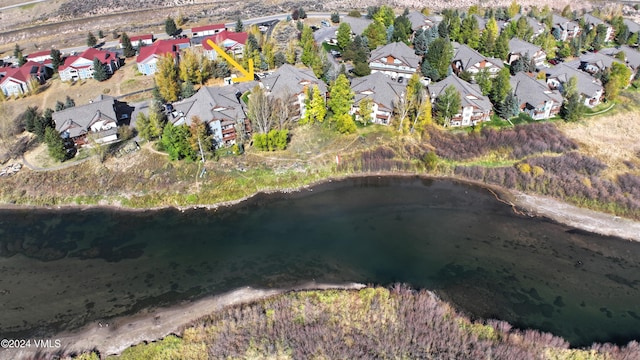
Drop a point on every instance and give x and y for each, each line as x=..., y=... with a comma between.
x=612, y=139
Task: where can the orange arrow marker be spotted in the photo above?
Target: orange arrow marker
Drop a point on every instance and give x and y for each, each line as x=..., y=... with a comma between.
x=248, y=75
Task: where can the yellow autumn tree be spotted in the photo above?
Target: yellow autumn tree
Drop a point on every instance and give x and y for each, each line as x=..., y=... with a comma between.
x=166, y=78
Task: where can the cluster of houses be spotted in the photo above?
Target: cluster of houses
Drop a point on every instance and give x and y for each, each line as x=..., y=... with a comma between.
x=225, y=113
x=538, y=96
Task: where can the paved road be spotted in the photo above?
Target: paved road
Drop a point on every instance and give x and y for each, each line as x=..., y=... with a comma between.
x=21, y=4
x=187, y=32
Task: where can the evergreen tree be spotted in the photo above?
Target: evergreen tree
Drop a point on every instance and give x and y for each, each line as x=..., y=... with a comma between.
x=572, y=108
x=509, y=107
x=500, y=87
x=187, y=90
x=56, y=59
x=99, y=72
x=17, y=52
x=489, y=37
x=128, y=50
x=100, y=34
x=279, y=59
x=239, y=25
x=69, y=102
x=91, y=40
x=502, y=46
x=170, y=26
x=335, y=17
x=513, y=9
x=175, y=141
x=59, y=105
x=470, y=32
x=30, y=116
x=401, y=29
x=420, y=42
x=428, y=71
x=439, y=57
x=361, y=68
x=166, y=78
x=55, y=144
x=483, y=79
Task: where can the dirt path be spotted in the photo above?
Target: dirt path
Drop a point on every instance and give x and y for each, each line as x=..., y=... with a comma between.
x=115, y=335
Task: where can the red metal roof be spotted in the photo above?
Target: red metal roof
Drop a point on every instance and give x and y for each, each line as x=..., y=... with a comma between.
x=91, y=53
x=137, y=38
x=22, y=74
x=39, y=53
x=161, y=47
x=239, y=37
x=207, y=27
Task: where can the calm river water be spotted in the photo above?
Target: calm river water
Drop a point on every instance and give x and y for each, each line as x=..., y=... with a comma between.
x=61, y=269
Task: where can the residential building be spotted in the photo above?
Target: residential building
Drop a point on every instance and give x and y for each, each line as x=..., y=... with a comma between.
x=538, y=27
x=220, y=108
x=96, y=121
x=145, y=40
x=394, y=60
x=535, y=97
x=420, y=21
x=232, y=42
x=593, y=22
x=358, y=25
x=471, y=61
x=207, y=30
x=148, y=56
x=519, y=48
x=590, y=88
x=80, y=67
x=593, y=63
x=474, y=107
x=383, y=93
x=292, y=83
x=40, y=56
x=633, y=26
x=631, y=55
x=14, y=81
x=566, y=29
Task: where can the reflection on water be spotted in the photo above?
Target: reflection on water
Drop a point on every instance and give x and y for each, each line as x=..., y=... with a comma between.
x=62, y=269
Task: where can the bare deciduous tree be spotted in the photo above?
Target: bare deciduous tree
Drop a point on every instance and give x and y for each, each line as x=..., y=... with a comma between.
x=260, y=110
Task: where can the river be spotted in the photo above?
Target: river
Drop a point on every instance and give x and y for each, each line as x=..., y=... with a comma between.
x=60, y=269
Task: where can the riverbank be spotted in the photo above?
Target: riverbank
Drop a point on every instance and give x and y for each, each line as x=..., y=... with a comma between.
x=531, y=204
x=112, y=336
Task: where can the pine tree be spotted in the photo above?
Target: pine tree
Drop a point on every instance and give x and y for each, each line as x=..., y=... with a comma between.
x=166, y=78
x=335, y=17
x=239, y=25
x=128, y=49
x=572, y=107
x=439, y=56
x=55, y=144
x=69, y=102
x=509, y=106
x=170, y=26
x=56, y=59
x=91, y=40
x=99, y=72
x=500, y=87
x=187, y=90
x=470, y=32
x=489, y=37
x=502, y=46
